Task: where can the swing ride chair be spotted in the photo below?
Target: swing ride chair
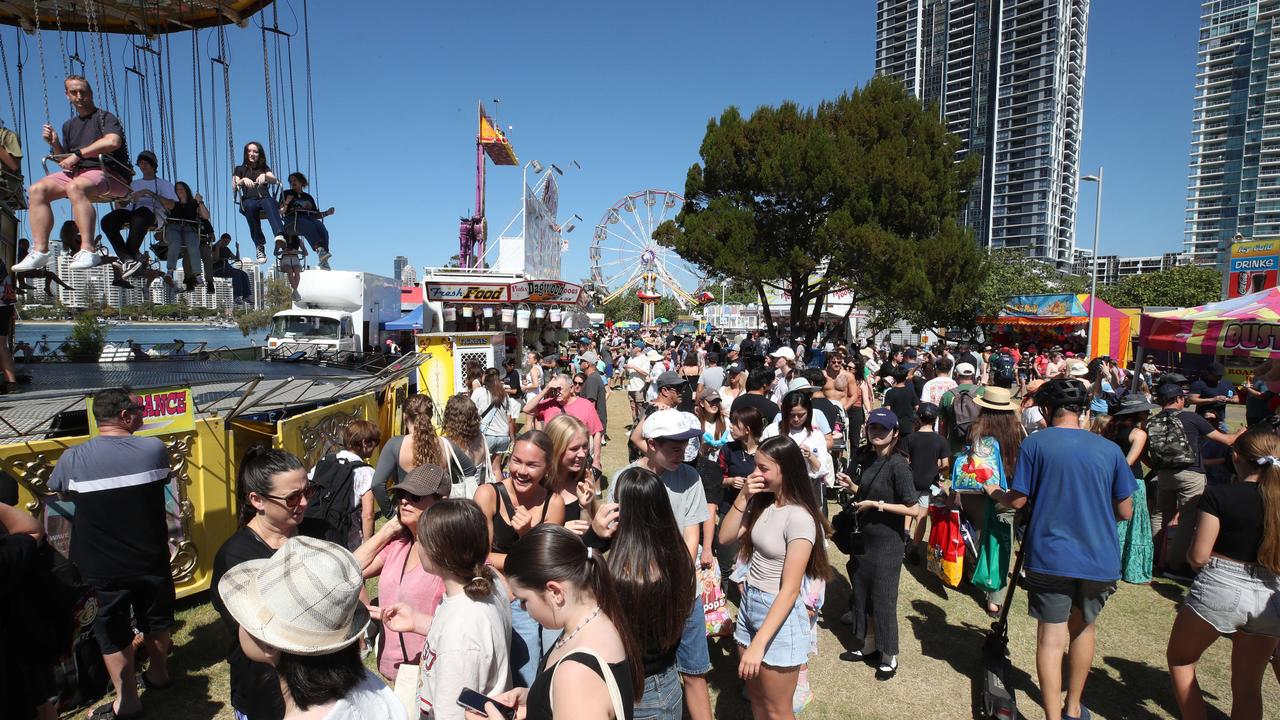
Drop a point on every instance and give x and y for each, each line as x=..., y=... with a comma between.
x=149, y=30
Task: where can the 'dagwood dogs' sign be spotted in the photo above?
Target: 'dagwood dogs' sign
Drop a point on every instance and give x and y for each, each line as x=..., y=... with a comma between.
x=551, y=292
x=164, y=410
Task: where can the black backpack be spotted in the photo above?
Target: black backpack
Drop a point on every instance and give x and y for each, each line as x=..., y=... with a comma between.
x=64, y=608
x=332, y=514
x=1001, y=368
x=1167, y=445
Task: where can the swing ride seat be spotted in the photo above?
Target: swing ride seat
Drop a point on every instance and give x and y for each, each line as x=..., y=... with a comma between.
x=273, y=192
x=107, y=159
x=13, y=196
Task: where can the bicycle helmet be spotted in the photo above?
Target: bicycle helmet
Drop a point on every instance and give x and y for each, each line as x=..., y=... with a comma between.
x=1062, y=392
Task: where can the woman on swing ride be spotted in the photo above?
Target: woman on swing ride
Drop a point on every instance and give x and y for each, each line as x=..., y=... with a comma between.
x=253, y=179
x=303, y=217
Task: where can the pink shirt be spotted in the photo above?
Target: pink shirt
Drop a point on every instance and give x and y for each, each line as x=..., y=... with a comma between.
x=581, y=408
x=422, y=590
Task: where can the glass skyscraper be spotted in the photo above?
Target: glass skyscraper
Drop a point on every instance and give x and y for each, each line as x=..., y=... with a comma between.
x=1234, y=184
x=1007, y=76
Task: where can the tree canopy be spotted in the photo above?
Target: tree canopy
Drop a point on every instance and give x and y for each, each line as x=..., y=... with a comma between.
x=1009, y=273
x=1181, y=286
x=862, y=192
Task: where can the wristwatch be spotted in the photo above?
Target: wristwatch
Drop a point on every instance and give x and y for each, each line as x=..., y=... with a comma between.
x=880, y=505
x=77, y=153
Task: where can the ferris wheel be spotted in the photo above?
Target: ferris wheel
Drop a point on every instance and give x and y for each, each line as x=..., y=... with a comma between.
x=625, y=257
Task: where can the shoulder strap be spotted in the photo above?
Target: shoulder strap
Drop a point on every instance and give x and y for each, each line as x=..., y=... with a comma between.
x=453, y=457
x=506, y=499
x=615, y=695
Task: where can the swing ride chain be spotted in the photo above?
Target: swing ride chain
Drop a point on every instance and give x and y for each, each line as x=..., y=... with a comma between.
x=44, y=83
x=266, y=75
x=62, y=48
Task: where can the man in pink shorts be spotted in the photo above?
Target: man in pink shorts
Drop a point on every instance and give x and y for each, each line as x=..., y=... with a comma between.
x=96, y=166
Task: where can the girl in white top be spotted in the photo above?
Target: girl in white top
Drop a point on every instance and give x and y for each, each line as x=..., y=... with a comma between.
x=776, y=519
x=796, y=422
x=468, y=639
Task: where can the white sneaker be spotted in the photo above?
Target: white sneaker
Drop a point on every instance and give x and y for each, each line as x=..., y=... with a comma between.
x=34, y=260
x=85, y=259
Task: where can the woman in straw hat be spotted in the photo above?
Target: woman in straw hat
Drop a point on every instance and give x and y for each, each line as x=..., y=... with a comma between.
x=299, y=611
x=994, y=439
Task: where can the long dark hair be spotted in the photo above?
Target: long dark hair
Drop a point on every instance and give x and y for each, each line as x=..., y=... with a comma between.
x=789, y=402
x=262, y=156
x=797, y=489
x=191, y=198
x=1002, y=425
x=455, y=534
x=552, y=553
x=317, y=679
x=651, y=567
x=542, y=441
x=256, y=474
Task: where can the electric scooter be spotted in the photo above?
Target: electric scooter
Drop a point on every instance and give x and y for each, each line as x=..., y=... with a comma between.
x=998, y=702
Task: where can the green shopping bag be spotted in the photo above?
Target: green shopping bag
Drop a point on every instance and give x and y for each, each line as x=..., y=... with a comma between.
x=992, y=568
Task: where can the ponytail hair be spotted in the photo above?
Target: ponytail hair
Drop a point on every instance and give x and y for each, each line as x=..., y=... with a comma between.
x=455, y=534
x=258, y=468
x=1261, y=448
x=553, y=553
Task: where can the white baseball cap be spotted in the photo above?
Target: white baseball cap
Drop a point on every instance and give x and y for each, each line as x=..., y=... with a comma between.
x=966, y=370
x=668, y=425
x=784, y=352
x=798, y=384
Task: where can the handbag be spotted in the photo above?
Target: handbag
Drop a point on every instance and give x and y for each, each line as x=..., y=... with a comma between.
x=992, y=567
x=462, y=485
x=407, y=673
x=946, y=547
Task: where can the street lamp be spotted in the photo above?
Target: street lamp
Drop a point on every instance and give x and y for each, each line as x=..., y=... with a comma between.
x=1093, y=269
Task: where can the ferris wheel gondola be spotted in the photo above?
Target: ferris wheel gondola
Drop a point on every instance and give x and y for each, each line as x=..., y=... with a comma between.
x=625, y=257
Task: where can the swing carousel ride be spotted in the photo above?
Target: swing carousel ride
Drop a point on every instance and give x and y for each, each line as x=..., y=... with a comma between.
x=134, y=53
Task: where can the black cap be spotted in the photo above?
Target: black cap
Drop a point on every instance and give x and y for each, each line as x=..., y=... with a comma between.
x=1169, y=392
x=149, y=157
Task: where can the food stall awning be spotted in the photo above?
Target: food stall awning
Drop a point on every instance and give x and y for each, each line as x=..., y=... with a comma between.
x=480, y=292
x=1111, y=335
x=1247, y=326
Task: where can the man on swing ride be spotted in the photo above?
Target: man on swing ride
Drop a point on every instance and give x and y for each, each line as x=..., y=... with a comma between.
x=95, y=165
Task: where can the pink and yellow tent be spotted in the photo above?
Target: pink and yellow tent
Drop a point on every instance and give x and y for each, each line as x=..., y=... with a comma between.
x=1247, y=326
x=1111, y=327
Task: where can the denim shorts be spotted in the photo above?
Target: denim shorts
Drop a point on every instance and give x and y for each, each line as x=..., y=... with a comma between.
x=497, y=444
x=1234, y=596
x=693, y=657
x=663, y=698
x=790, y=645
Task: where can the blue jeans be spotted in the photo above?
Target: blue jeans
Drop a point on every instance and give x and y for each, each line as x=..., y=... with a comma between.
x=250, y=208
x=309, y=227
x=693, y=656
x=179, y=236
x=663, y=698
x=529, y=641
x=239, y=280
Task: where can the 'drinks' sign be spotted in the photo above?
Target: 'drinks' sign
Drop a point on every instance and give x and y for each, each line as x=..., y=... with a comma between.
x=164, y=410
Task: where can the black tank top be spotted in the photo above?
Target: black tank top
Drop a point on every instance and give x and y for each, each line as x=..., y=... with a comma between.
x=505, y=537
x=538, y=701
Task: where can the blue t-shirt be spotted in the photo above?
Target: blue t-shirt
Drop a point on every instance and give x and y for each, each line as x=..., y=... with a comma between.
x=1073, y=478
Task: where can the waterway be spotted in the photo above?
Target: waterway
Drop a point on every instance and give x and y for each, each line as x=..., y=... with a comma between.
x=146, y=333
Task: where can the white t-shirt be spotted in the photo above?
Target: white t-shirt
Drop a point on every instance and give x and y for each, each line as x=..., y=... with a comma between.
x=371, y=699
x=814, y=439
x=493, y=421
x=1031, y=419
x=466, y=648
x=159, y=186
x=935, y=389
x=638, y=368
x=361, y=478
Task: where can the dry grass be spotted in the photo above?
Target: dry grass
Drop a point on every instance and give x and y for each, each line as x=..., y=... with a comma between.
x=941, y=636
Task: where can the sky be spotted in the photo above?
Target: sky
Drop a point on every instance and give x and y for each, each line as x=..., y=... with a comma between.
x=626, y=91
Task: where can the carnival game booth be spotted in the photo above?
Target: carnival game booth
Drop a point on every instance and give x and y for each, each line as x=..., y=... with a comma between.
x=488, y=316
x=1049, y=319
x=1243, y=331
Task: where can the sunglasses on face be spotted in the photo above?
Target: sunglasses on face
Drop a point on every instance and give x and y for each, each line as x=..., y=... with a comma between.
x=294, y=498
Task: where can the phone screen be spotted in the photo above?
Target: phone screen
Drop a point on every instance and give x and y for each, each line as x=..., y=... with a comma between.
x=473, y=700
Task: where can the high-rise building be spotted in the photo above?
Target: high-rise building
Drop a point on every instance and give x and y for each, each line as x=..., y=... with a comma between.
x=1234, y=184
x=408, y=276
x=399, y=263
x=1007, y=77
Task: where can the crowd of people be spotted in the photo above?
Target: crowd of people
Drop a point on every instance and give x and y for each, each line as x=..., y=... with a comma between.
x=93, y=155
x=513, y=573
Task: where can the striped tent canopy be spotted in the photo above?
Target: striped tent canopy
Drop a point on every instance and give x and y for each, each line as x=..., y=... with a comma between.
x=1247, y=326
x=1111, y=327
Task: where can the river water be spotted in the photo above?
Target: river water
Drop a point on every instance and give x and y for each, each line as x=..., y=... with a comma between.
x=146, y=333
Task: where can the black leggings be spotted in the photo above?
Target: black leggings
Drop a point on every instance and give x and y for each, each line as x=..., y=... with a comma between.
x=874, y=578
x=139, y=221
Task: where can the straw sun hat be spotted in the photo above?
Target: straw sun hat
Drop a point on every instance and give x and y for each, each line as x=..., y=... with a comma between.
x=995, y=398
x=304, y=599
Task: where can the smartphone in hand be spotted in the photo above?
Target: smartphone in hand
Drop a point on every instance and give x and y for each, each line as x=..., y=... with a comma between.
x=474, y=701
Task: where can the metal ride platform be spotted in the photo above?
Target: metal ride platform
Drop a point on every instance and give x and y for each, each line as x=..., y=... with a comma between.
x=55, y=402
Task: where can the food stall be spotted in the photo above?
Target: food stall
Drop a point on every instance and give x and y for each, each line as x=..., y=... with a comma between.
x=1243, y=331
x=488, y=316
x=1042, y=318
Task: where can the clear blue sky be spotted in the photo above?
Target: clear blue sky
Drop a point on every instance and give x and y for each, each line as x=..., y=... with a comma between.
x=625, y=91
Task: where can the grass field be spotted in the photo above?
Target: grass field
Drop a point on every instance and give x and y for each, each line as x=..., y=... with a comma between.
x=941, y=633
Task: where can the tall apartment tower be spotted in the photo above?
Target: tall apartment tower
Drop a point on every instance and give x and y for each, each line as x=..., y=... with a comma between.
x=1007, y=77
x=1234, y=184
x=399, y=263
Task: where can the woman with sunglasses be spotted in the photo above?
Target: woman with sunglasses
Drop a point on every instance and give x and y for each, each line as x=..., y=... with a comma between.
x=393, y=555
x=272, y=492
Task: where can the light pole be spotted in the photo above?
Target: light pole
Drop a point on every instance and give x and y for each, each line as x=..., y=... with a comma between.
x=1093, y=261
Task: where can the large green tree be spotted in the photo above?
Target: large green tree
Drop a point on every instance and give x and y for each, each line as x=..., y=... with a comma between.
x=861, y=192
x=1181, y=286
x=1010, y=272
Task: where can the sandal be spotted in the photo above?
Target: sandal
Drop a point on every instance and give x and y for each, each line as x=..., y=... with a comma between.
x=106, y=712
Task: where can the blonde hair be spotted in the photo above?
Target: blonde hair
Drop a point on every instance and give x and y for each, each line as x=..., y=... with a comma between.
x=562, y=429
x=1260, y=448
